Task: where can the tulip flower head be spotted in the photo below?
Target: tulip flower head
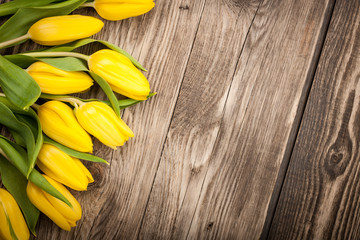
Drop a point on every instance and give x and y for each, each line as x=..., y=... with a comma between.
x=53, y=80
x=64, y=29
x=100, y=120
x=122, y=76
x=63, y=168
x=59, y=123
x=120, y=9
x=58, y=211
x=10, y=212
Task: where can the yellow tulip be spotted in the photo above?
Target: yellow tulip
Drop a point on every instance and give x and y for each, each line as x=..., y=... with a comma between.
x=10, y=211
x=120, y=9
x=63, y=29
x=58, y=211
x=63, y=168
x=53, y=80
x=122, y=76
x=100, y=120
x=59, y=123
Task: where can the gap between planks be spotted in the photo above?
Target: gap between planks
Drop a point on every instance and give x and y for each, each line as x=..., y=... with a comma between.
x=296, y=126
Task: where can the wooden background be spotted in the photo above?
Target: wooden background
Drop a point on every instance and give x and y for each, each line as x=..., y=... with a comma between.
x=254, y=133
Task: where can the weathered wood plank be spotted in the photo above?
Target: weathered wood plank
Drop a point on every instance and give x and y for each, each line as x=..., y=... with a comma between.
x=320, y=196
x=227, y=140
x=197, y=118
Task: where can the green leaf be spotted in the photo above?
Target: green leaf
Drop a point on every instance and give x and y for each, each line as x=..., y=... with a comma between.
x=15, y=154
x=42, y=183
x=22, y=61
x=66, y=63
x=108, y=91
x=16, y=184
x=82, y=42
x=11, y=7
x=17, y=84
x=19, y=24
x=8, y=119
x=34, y=124
x=124, y=103
x=74, y=153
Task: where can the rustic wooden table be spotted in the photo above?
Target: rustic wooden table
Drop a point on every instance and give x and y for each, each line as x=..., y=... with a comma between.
x=254, y=133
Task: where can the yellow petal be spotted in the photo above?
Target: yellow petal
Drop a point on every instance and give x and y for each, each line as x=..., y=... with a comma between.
x=64, y=29
x=56, y=81
x=59, y=123
x=69, y=213
x=120, y=9
x=120, y=73
x=100, y=120
x=38, y=198
x=84, y=169
x=9, y=207
x=61, y=167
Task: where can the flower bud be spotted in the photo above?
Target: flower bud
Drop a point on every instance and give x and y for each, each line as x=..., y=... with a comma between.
x=63, y=168
x=64, y=29
x=53, y=80
x=122, y=76
x=59, y=123
x=59, y=212
x=100, y=120
x=10, y=211
x=120, y=9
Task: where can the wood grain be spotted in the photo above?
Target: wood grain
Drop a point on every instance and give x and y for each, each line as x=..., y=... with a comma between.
x=227, y=140
x=196, y=121
x=320, y=196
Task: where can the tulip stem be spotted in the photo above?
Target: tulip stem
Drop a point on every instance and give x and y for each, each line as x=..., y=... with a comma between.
x=75, y=102
x=36, y=106
x=15, y=40
x=57, y=54
x=88, y=4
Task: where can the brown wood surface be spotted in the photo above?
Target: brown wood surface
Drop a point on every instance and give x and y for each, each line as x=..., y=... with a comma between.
x=218, y=154
x=320, y=196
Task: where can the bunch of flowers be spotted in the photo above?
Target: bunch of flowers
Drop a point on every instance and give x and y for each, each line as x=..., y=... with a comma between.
x=50, y=129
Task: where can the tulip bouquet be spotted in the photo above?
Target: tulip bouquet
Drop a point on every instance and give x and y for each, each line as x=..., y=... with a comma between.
x=49, y=129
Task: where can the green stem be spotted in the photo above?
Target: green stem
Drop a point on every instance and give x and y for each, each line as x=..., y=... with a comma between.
x=71, y=100
x=36, y=106
x=57, y=54
x=13, y=41
x=88, y=4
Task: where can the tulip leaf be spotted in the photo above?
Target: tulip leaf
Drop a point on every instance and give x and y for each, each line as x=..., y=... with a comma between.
x=34, y=124
x=22, y=61
x=66, y=63
x=82, y=42
x=17, y=84
x=30, y=119
x=124, y=103
x=16, y=155
x=19, y=24
x=39, y=180
x=16, y=184
x=11, y=7
x=74, y=153
x=108, y=91
x=8, y=119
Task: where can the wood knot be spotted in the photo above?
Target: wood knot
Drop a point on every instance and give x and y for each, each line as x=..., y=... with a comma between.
x=186, y=7
x=97, y=171
x=209, y=226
